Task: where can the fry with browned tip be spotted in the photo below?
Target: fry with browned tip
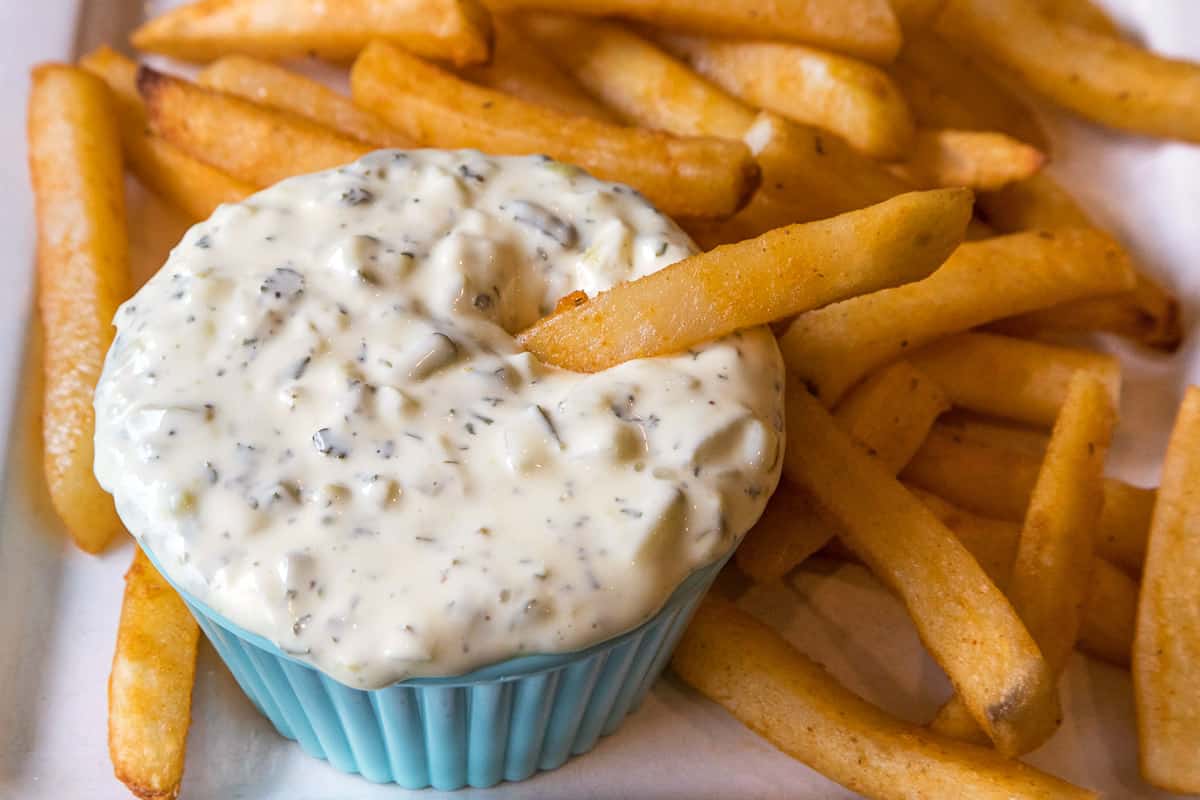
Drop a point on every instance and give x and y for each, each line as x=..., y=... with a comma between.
x=683, y=176
x=755, y=282
x=150, y=687
x=455, y=31
x=981, y=160
x=1166, y=655
x=83, y=275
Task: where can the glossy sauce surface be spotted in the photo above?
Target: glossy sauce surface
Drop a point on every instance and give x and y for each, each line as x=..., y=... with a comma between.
x=316, y=418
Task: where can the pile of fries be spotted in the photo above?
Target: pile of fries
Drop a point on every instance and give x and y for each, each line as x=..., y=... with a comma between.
x=939, y=431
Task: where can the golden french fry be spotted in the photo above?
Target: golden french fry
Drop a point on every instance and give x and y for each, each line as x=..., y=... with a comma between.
x=915, y=15
x=735, y=660
x=1084, y=13
x=1097, y=76
x=977, y=159
x=520, y=68
x=1109, y=615
x=864, y=28
x=993, y=542
x=948, y=89
x=456, y=31
x=889, y=415
x=683, y=176
x=754, y=282
x=963, y=619
x=1148, y=314
x=788, y=532
x=998, y=482
x=1166, y=653
x=190, y=185
x=638, y=80
x=83, y=275
x=150, y=687
x=253, y=143
x=1051, y=575
x=1012, y=378
x=833, y=347
x=966, y=426
x=275, y=87
x=806, y=175
x=853, y=99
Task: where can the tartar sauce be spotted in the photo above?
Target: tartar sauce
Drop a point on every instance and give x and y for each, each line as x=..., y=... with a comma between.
x=315, y=416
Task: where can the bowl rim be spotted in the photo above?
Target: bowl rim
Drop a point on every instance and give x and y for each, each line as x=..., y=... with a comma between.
x=509, y=669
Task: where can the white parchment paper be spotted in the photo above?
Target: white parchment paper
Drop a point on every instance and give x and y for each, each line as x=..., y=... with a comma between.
x=58, y=608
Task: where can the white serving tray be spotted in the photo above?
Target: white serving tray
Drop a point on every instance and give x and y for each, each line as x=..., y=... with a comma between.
x=58, y=607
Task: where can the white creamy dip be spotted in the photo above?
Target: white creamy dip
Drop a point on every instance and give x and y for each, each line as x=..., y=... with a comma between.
x=316, y=418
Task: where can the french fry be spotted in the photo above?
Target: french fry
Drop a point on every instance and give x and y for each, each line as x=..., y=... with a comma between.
x=1166, y=654
x=1109, y=615
x=915, y=15
x=1097, y=76
x=1148, y=314
x=993, y=542
x=456, y=31
x=83, y=275
x=962, y=618
x=521, y=69
x=754, y=282
x=253, y=143
x=740, y=663
x=806, y=175
x=638, y=80
x=150, y=687
x=1084, y=13
x=683, y=176
x=853, y=99
x=833, y=347
x=966, y=426
x=275, y=87
x=1034, y=376
x=788, y=532
x=889, y=415
x=1051, y=575
x=998, y=482
x=864, y=28
x=948, y=89
x=976, y=159
x=192, y=186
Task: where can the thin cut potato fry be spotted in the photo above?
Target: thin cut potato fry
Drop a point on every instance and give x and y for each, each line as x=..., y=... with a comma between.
x=806, y=175
x=977, y=159
x=190, y=185
x=1110, y=614
x=456, y=31
x=853, y=99
x=683, y=176
x=788, y=532
x=1148, y=314
x=637, y=79
x=915, y=15
x=993, y=542
x=1099, y=77
x=83, y=275
x=998, y=482
x=963, y=619
x=864, y=28
x=832, y=348
x=889, y=415
x=735, y=660
x=1052, y=572
x=253, y=143
x=1084, y=13
x=150, y=687
x=1166, y=654
x=948, y=89
x=1012, y=378
x=966, y=426
x=275, y=87
x=521, y=69
x=754, y=282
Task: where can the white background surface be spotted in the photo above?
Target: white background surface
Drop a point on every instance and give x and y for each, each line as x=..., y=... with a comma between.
x=58, y=607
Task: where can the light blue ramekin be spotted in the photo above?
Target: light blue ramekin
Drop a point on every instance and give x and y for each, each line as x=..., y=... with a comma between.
x=503, y=722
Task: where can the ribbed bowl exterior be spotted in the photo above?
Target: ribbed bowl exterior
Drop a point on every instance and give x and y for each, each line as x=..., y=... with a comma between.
x=502, y=723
